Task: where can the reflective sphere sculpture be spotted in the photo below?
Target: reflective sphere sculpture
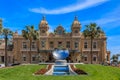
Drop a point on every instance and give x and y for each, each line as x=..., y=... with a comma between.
x=60, y=54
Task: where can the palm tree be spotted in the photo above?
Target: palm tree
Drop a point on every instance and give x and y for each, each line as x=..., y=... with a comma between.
x=30, y=34
x=6, y=33
x=92, y=31
x=114, y=58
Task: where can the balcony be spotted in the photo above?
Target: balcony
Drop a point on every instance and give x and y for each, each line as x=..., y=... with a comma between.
x=28, y=49
x=89, y=49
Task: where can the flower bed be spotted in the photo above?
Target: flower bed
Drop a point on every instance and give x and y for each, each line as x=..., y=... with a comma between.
x=78, y=71
x=43, y=71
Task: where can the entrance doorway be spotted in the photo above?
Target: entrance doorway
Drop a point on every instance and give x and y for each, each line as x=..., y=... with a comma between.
x=50, y=57
x=2, y=59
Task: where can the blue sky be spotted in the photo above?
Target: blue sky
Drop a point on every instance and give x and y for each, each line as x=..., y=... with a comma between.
x=16, y=14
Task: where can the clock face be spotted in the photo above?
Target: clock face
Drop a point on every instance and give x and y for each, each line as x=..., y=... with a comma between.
x=60, y=54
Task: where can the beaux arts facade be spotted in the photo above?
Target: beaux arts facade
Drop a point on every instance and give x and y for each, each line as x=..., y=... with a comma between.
x=74, y=41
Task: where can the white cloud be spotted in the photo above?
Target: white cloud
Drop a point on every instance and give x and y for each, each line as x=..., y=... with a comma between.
x=109, y=18
x=102, y=21
x=70, y=8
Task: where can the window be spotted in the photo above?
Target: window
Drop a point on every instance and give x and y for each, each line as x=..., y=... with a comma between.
x=59, y=44
x=33, y=45
x=107, y=58
x=68, y=44
x=24, y=58
x=94, y=45
x=43, y=31
x=94, y=58
x=76, y=31
x=24, y=45
x=85, y=58
x=42, y=44
x=85, y=45
x=2, y=58
x=9, y=58
x=33, y=58
x=59, y=32
x=76, y=60
x=76, y=44
x=51, y=44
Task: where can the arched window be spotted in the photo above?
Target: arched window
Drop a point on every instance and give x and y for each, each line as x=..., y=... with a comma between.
x=59, y=32
x=85, y=58
x=94, y=58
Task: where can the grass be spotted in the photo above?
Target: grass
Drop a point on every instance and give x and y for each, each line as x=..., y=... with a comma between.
x=95, y=72
x=99, y=72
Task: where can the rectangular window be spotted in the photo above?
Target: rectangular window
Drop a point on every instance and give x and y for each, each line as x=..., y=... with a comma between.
x=107, y=58
x=85, y=58
x=94, y=58
x=9, y=58
x=42, y=44
x=33, y=58
x=24, y=45
x=68, y=44
x=85, y=45
x=33, y=45
x=76, y=44
x=94, y=44
x=51, y=44
x=24, y=58
x=2, y=58
x=59, y=44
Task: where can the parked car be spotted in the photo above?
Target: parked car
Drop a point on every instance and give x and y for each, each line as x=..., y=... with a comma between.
x=2, y=65
x=14, y=64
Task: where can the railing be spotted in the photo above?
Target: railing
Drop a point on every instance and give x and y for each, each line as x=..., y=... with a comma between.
x=94, y=49
x=28, y=49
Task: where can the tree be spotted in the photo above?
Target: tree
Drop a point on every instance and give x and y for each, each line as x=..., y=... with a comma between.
x=92, y=31
x=30, y=34
x=114, y=58
x=6, y=33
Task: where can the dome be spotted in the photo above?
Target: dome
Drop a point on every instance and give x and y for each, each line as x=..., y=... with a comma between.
x=76, y=21
x=43, y=21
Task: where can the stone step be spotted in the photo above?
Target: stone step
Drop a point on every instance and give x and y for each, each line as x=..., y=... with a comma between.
x=61, y=68
x=60, y=73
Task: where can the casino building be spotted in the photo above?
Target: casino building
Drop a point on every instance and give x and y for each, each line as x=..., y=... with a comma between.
x=74, y=41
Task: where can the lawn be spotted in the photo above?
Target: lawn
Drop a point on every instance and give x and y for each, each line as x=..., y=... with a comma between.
x=95, y=72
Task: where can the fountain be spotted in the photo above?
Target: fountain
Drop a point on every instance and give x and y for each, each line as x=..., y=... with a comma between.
x=60, y=67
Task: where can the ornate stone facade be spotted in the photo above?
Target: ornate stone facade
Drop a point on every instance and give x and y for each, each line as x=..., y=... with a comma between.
x=78, y=46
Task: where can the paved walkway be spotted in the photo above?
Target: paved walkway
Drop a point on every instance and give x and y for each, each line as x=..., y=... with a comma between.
x=66, y=63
